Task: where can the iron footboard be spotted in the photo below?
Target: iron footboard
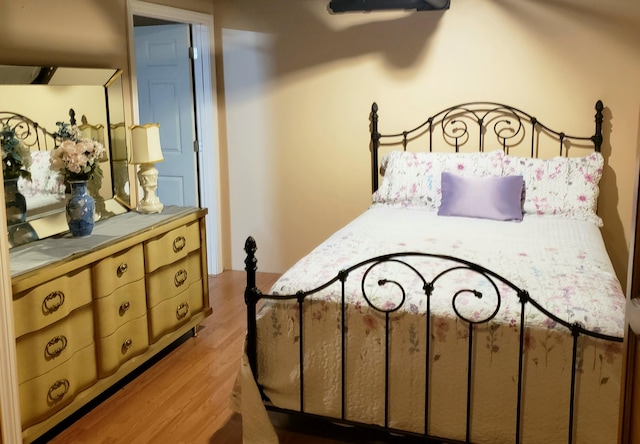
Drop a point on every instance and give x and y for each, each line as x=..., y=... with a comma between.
x=253, y=296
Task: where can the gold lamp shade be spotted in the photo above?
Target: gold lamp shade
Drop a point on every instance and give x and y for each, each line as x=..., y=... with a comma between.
x=145, y=141
x=146, y=150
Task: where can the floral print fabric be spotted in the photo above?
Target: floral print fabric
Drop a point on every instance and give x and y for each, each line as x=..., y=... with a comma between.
x=559, y=187
x=561, y=263
x=43, y=180
x=413, y=179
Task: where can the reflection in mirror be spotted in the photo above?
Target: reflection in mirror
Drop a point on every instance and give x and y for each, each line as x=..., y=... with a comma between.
x=118, y=139
x=35, y=106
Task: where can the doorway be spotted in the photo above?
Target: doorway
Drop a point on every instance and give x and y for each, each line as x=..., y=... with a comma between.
x=165, y=96
x=198, y=148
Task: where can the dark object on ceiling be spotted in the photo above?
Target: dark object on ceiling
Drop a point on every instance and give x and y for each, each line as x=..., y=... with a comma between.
x=377, y=5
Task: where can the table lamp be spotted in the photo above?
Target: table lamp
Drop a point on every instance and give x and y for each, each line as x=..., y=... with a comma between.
x=146, y=150
x=95, y=133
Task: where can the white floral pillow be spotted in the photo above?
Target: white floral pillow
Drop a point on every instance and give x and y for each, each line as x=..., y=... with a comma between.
x=43, y=180
x=413, y=179
x=564, y=187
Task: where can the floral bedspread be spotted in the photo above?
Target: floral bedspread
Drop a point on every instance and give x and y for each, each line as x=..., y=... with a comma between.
x=561, y=263
x=46, y=189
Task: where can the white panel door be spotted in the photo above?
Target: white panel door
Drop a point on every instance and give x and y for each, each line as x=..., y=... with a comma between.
x=165, y=96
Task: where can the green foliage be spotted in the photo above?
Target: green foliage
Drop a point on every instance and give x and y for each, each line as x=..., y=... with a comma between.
x=16, y=157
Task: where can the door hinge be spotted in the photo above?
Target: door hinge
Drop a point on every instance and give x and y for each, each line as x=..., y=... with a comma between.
x=197, y=147
x=193, y=53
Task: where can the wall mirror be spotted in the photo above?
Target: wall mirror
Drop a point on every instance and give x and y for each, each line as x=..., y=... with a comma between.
x=33, y=101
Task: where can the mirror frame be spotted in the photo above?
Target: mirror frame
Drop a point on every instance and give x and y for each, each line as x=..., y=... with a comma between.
x=117, y=199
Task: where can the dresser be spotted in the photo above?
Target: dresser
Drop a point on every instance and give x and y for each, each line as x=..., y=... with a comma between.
x=88, y=311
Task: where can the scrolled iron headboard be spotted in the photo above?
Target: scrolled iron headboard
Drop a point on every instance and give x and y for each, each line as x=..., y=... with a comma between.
x=29, y=132
x=504, y=124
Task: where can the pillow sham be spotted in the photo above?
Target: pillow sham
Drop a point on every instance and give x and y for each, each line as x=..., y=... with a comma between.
x=484, y=197
x=560, y=187
x=43, y=179
x=413, y=179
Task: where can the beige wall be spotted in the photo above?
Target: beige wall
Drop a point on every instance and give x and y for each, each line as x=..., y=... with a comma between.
x=553, y=59
x=82, y=33
x=28, y=100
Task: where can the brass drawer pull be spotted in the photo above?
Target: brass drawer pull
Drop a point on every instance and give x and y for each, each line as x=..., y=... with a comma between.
x=179, y=243
x=55, y=346
x=122, y=269
x=126, y=345
x=182, y=311
x=124, y=307
x=52, y=302
x=61, y=387
x=180, y=278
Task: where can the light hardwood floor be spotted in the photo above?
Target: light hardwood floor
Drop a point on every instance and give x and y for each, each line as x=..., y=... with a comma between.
x=183, y=398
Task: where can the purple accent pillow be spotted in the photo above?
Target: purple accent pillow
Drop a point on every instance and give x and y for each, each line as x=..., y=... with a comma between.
x=485, y=197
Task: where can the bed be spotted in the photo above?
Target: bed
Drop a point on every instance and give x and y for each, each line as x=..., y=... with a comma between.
x=474, y=301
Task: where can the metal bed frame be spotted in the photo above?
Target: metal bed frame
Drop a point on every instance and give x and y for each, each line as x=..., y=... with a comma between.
x=31, y=133
x=506, y=123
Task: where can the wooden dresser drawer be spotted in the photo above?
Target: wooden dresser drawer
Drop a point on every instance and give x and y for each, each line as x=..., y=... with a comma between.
x=193, y=236
x=126, y=303
x=41, y=351
x=42, y=396
x=171, y=246
x=171, y=313
x=172, y=279
x=81, y=308
x=129, y=340
x=117, y=270
x=196, y=297
x=49, y=302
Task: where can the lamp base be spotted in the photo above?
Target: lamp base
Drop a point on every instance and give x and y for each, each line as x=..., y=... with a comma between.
x=148, y=177
x=150, y=207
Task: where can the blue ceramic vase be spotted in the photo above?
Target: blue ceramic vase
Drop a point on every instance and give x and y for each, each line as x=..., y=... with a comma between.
x=15, y=202
x=80, y=209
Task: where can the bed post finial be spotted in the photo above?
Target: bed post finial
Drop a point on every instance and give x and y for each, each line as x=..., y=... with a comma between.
x=250, y=262
x=375, y=143
x=597, y=137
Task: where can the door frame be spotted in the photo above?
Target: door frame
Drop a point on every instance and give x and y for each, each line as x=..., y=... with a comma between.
x=202, y=34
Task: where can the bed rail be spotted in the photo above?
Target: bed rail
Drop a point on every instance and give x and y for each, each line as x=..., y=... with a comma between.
x=253, y=296
x=35, y=136
x=487, y=124
x=29, y=132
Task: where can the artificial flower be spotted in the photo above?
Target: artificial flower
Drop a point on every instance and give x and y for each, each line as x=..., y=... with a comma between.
x=16, y=157
x=77, y=159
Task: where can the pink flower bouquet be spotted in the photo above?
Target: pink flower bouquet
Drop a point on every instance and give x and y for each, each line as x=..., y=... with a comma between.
x=77, y=160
